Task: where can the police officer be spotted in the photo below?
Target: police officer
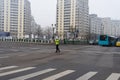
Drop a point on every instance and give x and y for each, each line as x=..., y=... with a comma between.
x=57, y=42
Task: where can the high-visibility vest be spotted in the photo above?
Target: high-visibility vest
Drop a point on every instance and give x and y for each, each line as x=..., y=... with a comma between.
x=57, y=41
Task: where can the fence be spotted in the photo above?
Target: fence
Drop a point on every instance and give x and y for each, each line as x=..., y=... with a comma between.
x=28, y=41
x=35, y=42
x=81, y=42
x=23, y=42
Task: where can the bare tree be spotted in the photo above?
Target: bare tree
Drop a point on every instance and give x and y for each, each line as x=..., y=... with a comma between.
x=39, y=32
x=48, y=32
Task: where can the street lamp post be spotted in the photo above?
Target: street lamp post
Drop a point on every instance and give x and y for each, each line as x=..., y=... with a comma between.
x=53, y=31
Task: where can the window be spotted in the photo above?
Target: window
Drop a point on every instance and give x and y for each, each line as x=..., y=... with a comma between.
x=103, y=37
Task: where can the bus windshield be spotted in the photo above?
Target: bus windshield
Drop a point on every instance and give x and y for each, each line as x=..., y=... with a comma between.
x=118, y=39
x=103, y=37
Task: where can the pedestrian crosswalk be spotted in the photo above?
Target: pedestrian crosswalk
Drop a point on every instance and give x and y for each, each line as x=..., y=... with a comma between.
x=12, y=70
x=8, y=67
x=114, y=76
x=87, y=76
x=32, y=74
x=54, y=77
x=15, y=71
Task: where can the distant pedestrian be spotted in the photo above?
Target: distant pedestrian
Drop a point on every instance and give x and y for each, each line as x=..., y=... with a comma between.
x=57, y=42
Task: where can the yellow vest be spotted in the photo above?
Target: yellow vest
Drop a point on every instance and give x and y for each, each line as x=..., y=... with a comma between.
x=57, y=42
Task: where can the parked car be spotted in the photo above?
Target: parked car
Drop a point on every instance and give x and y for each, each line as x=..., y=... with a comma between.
x=93, y=42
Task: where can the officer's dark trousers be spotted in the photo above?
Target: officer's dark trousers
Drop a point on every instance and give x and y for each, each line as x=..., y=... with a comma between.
x=57, y=48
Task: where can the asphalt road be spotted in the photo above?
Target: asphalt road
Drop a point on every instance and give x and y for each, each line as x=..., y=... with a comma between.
x=76, y=62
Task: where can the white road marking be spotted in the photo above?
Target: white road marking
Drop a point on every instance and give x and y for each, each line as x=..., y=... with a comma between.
x=5, y=57
x=8, y=67
x=54, y=77
x=114, y=76
x=33, y=74
x=15, y=71
x=87, y=76
x=23, y=55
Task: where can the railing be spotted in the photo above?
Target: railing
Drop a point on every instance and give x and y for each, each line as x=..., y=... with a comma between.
x=23, y=42
x=27, y=41
x=34, y=42
x=81, y=42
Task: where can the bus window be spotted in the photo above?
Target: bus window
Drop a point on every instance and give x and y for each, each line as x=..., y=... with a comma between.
x=103, y=37
x=111, y=39
x=118, y=39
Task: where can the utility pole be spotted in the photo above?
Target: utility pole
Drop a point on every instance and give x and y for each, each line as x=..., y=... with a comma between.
x=53, y=31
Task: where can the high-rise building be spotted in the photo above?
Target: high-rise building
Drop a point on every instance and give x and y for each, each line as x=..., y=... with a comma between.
x=115, y=28
x=73, y=18
x=96, y=27
x=15, y=17
x=107, y=25
x=33, y=25
x=111, y=27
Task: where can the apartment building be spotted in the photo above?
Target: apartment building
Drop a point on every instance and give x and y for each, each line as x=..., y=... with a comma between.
x=115, y=28
x=111, y=27
x=72, y=18
x=107, y=25
x=15, y=17
x=96, y=27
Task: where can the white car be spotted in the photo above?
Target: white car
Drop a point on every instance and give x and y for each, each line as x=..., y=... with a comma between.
x=91, y=42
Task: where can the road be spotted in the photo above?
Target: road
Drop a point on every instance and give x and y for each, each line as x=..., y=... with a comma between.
x=76, y=62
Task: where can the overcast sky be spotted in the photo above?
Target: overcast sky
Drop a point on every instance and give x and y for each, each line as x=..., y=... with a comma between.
x=44, y=11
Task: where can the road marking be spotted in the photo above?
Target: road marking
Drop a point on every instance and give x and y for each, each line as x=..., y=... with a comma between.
x=15, y=71
x=23, y=55
x=54, y=77
x=33, y=74
x=114, y=76
x=87, y=76
x=5, y=57
x=8, y=67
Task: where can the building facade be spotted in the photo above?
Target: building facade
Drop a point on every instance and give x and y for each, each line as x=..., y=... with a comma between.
x=15, y=17
x=111, y=27
x=96, y=27
x=33, y=25
x=72, y=18
x=115, y=28
x=107, y=26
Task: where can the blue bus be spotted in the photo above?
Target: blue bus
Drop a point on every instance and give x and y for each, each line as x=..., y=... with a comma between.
x=105, y=40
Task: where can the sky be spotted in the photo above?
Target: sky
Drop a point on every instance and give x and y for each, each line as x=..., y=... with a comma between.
x=44, y=11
